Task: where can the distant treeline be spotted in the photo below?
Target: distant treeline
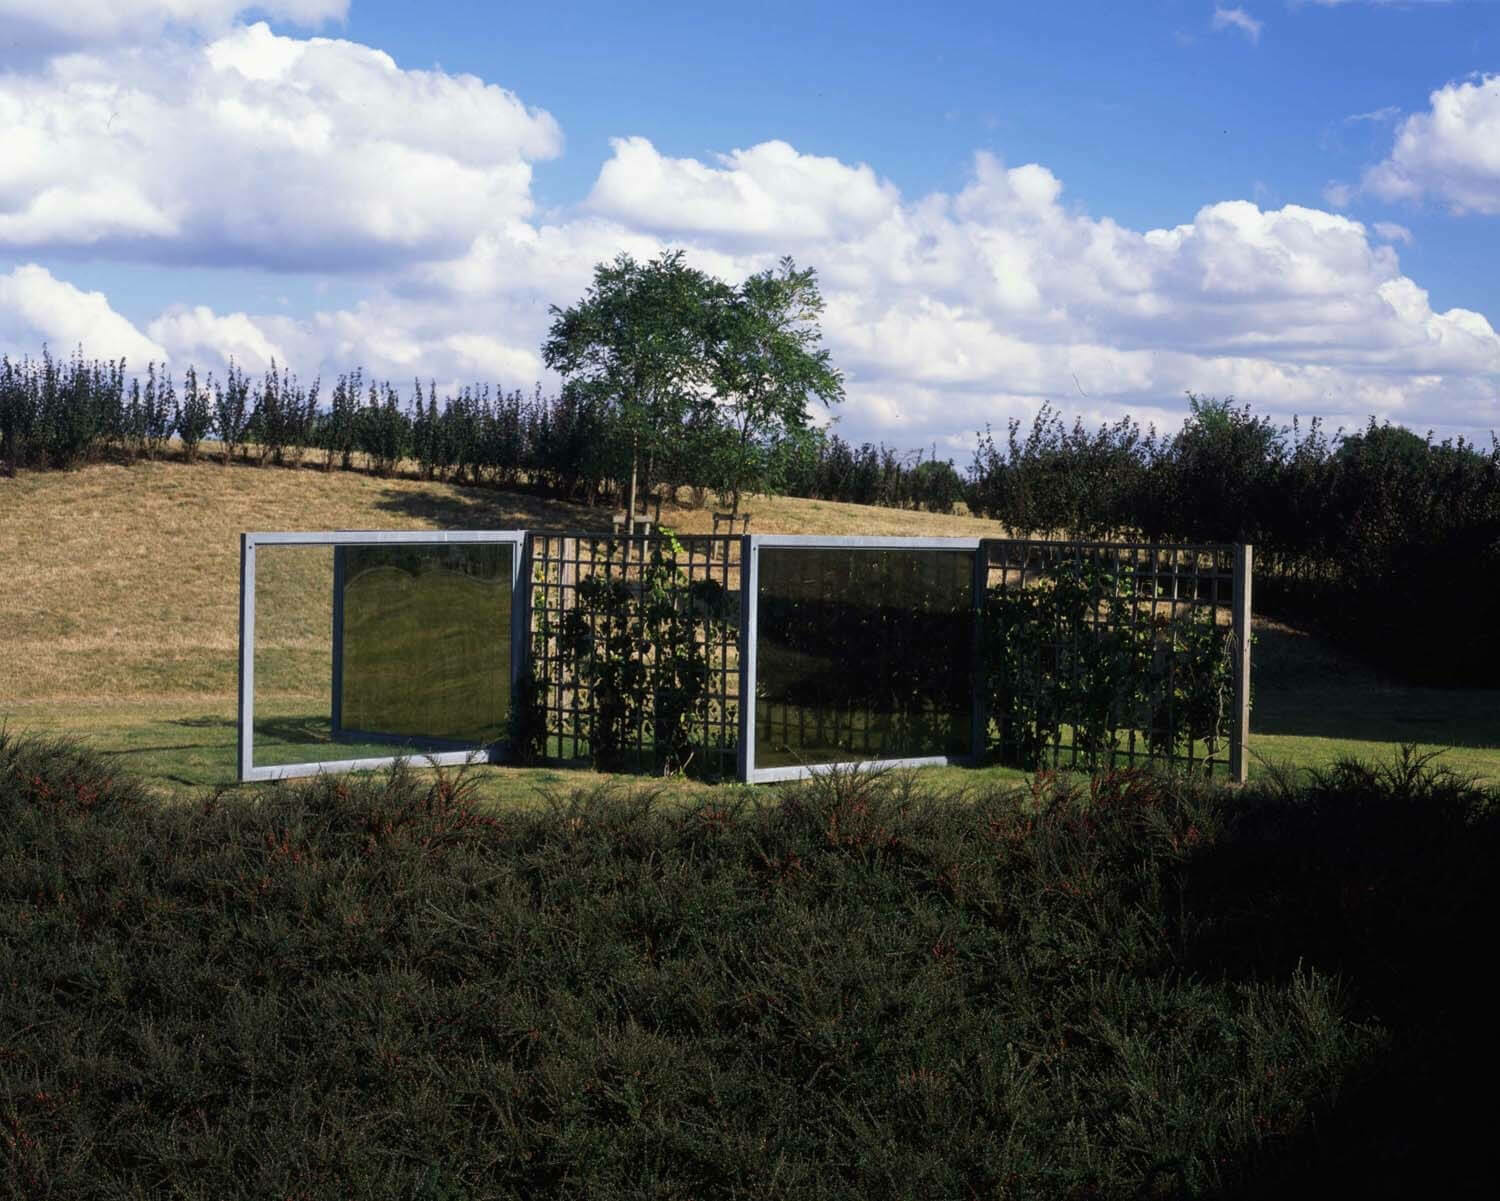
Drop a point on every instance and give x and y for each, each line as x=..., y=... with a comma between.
x=1387, y=540
x=63, y=414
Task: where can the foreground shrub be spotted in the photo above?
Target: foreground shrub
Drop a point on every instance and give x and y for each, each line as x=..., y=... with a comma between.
x=368, y=987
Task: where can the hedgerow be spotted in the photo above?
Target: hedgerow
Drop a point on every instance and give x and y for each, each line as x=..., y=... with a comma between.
x=1377, y=535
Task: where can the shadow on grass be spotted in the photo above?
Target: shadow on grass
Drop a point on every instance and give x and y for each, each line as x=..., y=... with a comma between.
x=156, y=748
x=1383, y=877
x=1304, y=688
x=487, y=509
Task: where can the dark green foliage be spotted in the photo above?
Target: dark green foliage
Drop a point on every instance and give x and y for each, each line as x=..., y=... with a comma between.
x=382, y=431
x=337, y=429
x=636, y=650
x=193, y=418
x=1380, y=538
x=526, y=739
x=149, y=416
x=283, y=418
x=232, y=411
x=18, y=415
x=1082, y=652
x=1060, y=481
x=936, y=486
x=1120, y=988
x=62, y=415
x=766, y=366
x=635, y=349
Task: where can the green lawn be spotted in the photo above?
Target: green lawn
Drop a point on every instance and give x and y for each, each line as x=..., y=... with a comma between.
x=1313, y=706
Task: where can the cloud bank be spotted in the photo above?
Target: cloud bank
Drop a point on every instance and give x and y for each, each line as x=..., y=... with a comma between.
x=261, y=151
x=54, y=25
x=946, y=311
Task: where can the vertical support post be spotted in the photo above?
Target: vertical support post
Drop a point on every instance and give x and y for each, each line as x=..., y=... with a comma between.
x=979, y=707
x=520, y=630
x=749, y=585
x=244, y=752
x=338, y=641
x=1239, y=729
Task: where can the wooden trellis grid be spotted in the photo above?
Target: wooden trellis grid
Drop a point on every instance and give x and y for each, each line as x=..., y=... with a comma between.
x=1155, y=587
x=706, y=583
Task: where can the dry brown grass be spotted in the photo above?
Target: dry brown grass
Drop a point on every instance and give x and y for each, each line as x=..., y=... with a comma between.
x=121, y=584
x=119, y=613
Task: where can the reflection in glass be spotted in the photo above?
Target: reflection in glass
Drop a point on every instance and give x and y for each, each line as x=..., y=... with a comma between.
x=424, y=650
x=371, y=651
x=294, y=656
x=863, y=654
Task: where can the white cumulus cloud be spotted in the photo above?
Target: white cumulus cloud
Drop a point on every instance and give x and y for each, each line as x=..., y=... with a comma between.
x=769, y=189
x=54, y=25
x=197, y=335
x=1451, y=152
x=36, y=308
x=259, y=149
x=1003, y=289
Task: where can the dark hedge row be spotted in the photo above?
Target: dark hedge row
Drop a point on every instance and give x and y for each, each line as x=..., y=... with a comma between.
x=64, y=413
x=1382, y=537
x=1389, y=541
x=1135, y=987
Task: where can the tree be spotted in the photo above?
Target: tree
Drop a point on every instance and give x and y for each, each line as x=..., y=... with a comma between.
x=765, y=367
x=635, y=346
x=194, y=418
x=232, y=411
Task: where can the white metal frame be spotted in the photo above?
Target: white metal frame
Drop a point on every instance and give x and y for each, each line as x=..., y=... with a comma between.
x=334, y=538
x=751, y=546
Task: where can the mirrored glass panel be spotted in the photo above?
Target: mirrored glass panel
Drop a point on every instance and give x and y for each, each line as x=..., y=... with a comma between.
x=423, y=641
x=372, y=651
x=862, y=654
x=294, y=656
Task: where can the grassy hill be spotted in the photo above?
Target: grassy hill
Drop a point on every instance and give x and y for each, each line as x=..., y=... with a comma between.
x=119, y=612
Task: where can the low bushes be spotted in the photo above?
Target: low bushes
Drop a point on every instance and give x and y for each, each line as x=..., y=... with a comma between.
x=1124, y=987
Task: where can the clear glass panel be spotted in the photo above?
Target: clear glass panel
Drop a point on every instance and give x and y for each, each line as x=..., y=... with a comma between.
x=294, y=656
x=372, y=651
x=426, y=641
x=863, y=654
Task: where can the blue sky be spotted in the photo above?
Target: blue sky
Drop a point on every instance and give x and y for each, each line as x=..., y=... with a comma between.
x=976, y=184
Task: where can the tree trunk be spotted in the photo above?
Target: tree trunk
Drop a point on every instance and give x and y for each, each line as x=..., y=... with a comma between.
x=739, y=471
x=630, y=502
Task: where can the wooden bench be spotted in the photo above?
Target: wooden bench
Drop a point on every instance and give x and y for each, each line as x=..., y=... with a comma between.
x=621, y=523
x=729, y=521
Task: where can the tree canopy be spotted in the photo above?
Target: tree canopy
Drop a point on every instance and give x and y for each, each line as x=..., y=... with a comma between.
x=680, y=362
x=765, y=366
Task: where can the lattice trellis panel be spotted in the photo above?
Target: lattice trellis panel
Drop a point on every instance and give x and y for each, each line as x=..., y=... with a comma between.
x=675, y=603
x=1110, y=654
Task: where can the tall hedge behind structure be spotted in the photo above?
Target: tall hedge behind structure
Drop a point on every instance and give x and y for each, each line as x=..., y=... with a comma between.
x=1388, y=540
